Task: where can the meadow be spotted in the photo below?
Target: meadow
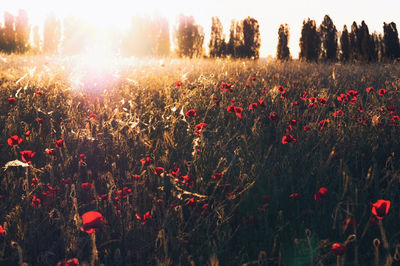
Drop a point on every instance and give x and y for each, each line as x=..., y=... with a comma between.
x=198, y=162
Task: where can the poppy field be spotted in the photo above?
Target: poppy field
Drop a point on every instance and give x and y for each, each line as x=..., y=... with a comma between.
x=199, y=162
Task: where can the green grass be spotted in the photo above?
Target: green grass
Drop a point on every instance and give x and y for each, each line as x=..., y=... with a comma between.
x=141, y=113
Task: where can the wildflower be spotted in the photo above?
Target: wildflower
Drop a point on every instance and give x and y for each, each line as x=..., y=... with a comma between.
x=380, y=208
x=226, y=87
x=199, y=128
x=39, y=120
x=94, y=116
x=91, y=221
x=87, y=186
x=191, y=202
x=360, y=109
x=218, y=176
x=178, y=83
x=146, y=161
x=261, y=103
x=338, y=249
x=338, y=113
x=2, y=231
x=322, y=101
x=14, y=140
x=191, y=113
x=343, y=98
x=307, y=128
x=382, y=92
x=238, y=112
x=11, y=100
x=352, y=93
x=322, y=124
x=294, y=196
x=391, y=109
x=304, y=97
x=27, y=156
x=51, y=152
x=143, y=219
x=70, y=262
x=82, y=157
x=293, y=122
x=281, y=89
x=39, y=93
x=35, y=201
x=273, y=116
x=124, y=191
x=60, y=143
x=136, y=177
x=230, y=109
x=27, y=133
x=34, y=181
x=287, y=139
x=369, y=89
x=253, y=78
x=320, y=194
x=66, y=181
x=158, y=170
x=253, y=106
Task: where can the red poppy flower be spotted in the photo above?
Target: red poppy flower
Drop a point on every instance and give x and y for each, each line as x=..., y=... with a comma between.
x=191, y=202
x=238, y=112
x=349, y=223
x=253, y=78
x=261, y=103
x=352, y=93
x=14, y=140
x=320, y=194
x=178, y=83
x=304, y=97
x=191, y=113
x=296, y=103
x=295, y=196
x=281, y=89
x=39, y=120
x=287, y=139
x=66, y=181
x=71, y=262
x=360, y=109
x=91, y=221
x=27, y=133
x=273, y=116
x=338, y=113
x=143, y=219
x=307, y=128
x=87, y=186
x=35, y=201
x=226, y=87
x=293, y=122
x=136, y=177
x=338, y=249
x=59, y=143
x=2, y=231
x=94, y=116
x=158, y=170
x=82, y=157
x=39, y=93
x=322, y=124
x=284, y=94
x=50, y=151
x=253, y=106
x=146, y=161
x=124, y=191
x=230, y=109
x=380, y=208
x=369, y=89
x=322, y=101
x=382, y=92
x=218, y=176
x=289, y=128
x=199, y=128
x=27, y=156
x=11, y=100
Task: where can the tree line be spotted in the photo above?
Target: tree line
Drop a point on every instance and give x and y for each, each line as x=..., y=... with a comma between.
x=325, y=43
x=151, y=37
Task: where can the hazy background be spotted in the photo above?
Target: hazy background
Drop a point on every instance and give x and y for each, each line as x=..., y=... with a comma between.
x=270, y=14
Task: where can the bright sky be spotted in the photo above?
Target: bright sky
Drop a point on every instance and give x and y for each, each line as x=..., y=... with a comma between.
x=270, y=14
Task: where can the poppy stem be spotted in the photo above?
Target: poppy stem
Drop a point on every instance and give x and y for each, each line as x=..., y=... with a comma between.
x=337, y=260
x=95, y=255
x=389, y=258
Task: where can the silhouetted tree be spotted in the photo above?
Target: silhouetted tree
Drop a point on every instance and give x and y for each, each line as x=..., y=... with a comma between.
x=22, y=32
x=2, y=40
x=9, y=33
x=51, y=34
x=344, y=45
x=251, y=38
x=189, y=37
x=355, y=45
x=282, y=51
x=328, y=39
x=391, y=41
x=217, y=41
x=310, y=43
x=366, y=43
x=378, y=46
